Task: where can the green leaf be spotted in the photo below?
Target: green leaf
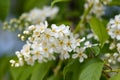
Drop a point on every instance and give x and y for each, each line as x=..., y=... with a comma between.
x=36, y=72
x=96, y=50
x=4, y=8
x=57, y=1
x=92, y=71
x=71, y=70
x=27, y=71
x=4, y=66
x=21, y=73
x=53, y=77
x=116, y=77
x=99, y=29
x=75, y=70
x=40, y=71
x=16, y=72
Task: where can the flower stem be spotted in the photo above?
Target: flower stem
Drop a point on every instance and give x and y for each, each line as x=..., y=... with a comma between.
x=56, y=70
x=106, y=75
x=86, y=12
x=115, y=70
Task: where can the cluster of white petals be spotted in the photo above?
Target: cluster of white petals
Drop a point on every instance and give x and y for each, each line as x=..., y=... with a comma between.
x=113, y=27
x=37, y=15
x=111, y=58
x=114, y=56
x=98, y=7
x=48, y=43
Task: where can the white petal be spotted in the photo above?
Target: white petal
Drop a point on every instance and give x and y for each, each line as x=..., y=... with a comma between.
x=118, y=59
x=74, y=56
x=66, y=56
x=81, y=59
x=118, y=37
x=84, y=55
x=83, y=39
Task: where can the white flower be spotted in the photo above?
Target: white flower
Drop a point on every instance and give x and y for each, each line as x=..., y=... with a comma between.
x=12, y=62
x=50, y=12
x=64, y=55
x=17, y=65
x=47, y=35
x=40, y=29
x=92, y=35
x=97, y=9
x=112, y=61
x=118, y=59
x=51, y=57
x=46, y=51
x=18, y=54
x=21, y=62
x=69, y=45
x=115, y=22
x=112, y=46
x=63, y=30
x=26, y=50
x=113, y=27
x=80, y=54
x=32, y=27
x=118, y=47
x=39, y=15
x=111, y=58
x=54, y=31
x=33, y=16
x=45, y=44
x=88, y=44
x=30, y=60
x=23, y=16
x=107, y=55
x=43, y=26
x=54, y=44
x=115, y=55
x=37, y=55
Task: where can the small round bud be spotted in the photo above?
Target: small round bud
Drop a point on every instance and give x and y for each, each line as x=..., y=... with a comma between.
x=112, y=46
x=107, y=55
x=19, y=35
x=18, y=54
x=32, y=27
x=118, y=59
x=115, y=54
x=17, y=65
x=12, y=61
x=22, y=38
x=26, y=32
x=109, y=60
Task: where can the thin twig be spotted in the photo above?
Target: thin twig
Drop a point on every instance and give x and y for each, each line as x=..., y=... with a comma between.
x=86, y=12
x=56, y=70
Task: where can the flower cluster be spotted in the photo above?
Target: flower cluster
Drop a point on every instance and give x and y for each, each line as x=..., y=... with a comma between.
x=98, y=7
x=111, y=58
x=113, y=27
x=48, y=43
x=35, y=16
